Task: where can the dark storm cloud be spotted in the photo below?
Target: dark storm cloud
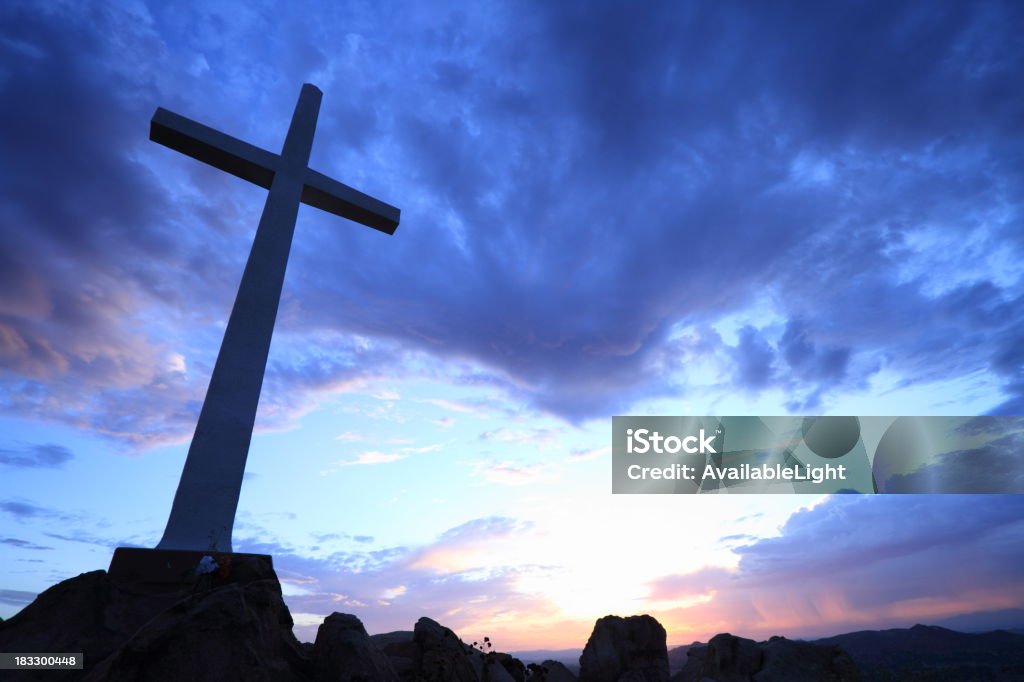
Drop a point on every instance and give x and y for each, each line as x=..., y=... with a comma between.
x=877, y=529
x=811, y=361
x=753, y=357
x=79, y=218
x=104, y=272
x=630, y=170
x=577, y=180
x=996, y=467
x=47, y=456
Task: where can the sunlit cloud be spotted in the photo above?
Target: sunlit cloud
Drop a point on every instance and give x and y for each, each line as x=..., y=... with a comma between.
x=374, y=457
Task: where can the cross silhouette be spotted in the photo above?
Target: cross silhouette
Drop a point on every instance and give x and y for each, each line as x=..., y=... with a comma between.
x=203, y=512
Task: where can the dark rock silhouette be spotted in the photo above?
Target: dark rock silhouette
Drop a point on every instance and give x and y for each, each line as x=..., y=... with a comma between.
x=237, y=627
x=727, y=658
x=72, y=616
x=677, y=657
x=934, y=653
x=629, y=649
x=557, y=672
x=240, y=631
x=786, y=659
x=344, y=652
x=442, y=655
x=401, y=651
x=432, y=652
x=513, y=666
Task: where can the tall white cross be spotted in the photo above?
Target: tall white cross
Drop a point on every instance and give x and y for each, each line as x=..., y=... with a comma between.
x=203, y=512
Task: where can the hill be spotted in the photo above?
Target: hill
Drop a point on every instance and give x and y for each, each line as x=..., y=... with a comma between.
x=934, y=653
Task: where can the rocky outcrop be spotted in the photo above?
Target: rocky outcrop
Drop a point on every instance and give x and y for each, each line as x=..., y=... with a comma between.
x=401, y=651
x=491, y=669
x=933, y=652
x=625, y=650
x=557, y=672
x=677, y=657
x=443, y=657
x=225, y=628
x=343, y=652
x=237, y=627
x=513, y=666
x=727, y=658
x=433, y=653
x=234, y=632
x=72, y=616
x=785, y=659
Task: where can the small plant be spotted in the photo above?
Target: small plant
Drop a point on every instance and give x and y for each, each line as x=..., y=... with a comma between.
x=513, y=666
x=484, y=647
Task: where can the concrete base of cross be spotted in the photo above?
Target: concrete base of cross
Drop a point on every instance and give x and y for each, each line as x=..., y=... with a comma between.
x=172, y=568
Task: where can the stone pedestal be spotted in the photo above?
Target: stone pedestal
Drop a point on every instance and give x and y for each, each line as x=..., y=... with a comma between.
x=175, y=568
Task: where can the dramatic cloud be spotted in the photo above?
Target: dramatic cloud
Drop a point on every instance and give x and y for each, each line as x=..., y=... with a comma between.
x=391, y=588
x=847, y=563
x=858, y=561
x=796, y=206
x=995, y=467
x=577, y=182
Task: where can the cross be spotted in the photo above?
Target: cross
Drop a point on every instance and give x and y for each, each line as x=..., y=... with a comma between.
x=203, y=512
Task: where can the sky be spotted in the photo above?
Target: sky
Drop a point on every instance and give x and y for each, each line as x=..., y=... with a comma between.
x=696, y=208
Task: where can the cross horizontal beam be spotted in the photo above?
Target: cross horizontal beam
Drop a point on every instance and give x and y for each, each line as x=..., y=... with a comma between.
x=259, y=167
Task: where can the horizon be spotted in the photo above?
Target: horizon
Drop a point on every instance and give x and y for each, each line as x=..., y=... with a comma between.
x=695, y=210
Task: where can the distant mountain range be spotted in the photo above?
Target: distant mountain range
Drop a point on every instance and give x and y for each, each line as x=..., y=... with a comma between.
x=937, y=652
x=920, y=652
x=570, y=658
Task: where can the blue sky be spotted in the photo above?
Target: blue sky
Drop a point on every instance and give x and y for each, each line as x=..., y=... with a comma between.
x=698, y=208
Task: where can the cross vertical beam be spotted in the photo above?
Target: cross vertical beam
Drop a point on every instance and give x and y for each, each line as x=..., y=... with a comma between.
x=203, y=512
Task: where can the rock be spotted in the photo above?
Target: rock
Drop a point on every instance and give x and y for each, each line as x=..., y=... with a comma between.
x=233, y=632
x=727, y=658
x=442, y=655
x=486, y=667
x=433, y=653
x=89, y=613
x=231, y=629
x=557, y=672
x=343, y=652
x=401, y=651
x=691, y=670
x=494, y=671
x=730, y=657
x=625, y=650
x=785, y=659
x=677, y=657
x=513, y=666
x=71, y=616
